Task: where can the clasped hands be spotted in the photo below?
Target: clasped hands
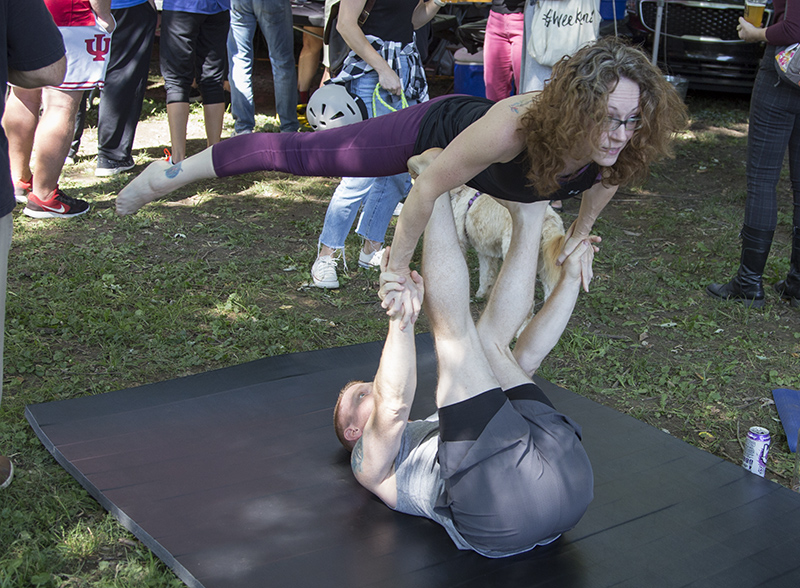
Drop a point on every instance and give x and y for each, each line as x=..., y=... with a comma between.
x=401, y=293
x=585, y=257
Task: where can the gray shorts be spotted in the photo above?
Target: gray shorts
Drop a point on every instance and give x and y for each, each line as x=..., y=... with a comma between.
x=523, y=479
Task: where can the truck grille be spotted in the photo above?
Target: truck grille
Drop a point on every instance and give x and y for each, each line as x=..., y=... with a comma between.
x=703, y=21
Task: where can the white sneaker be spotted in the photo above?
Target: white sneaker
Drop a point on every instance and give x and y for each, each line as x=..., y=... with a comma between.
x=398, y=209
x=323, y=272
x=368, y=260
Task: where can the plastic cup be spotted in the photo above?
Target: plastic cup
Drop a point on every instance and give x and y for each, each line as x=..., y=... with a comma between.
x=754, y=11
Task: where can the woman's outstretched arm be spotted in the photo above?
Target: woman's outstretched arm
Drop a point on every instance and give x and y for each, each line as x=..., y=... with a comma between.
x=593, y=202
x=494, y=138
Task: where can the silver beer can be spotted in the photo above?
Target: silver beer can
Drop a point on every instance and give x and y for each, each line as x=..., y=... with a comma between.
x=756, y=449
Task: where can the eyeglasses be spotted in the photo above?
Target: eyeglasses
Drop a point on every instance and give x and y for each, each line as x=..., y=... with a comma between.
x=634, y=123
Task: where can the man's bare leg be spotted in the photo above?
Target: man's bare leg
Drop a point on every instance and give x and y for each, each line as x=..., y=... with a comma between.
x=512, y=296
x=464, y=371
x=160, y=178
x=543, y=332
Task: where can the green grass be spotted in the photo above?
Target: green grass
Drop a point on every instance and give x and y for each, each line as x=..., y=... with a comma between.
x=218, y=275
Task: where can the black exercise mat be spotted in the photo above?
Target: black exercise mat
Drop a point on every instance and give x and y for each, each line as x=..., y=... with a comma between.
x=234, y=478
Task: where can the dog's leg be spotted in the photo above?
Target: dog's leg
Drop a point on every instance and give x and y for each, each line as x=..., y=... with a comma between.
x=487, y=273
x=459, y=200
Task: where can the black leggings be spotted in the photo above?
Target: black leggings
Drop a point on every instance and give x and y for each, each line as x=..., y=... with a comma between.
x=774, y=127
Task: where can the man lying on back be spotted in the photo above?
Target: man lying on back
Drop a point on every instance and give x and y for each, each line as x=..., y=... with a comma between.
x=497, y=466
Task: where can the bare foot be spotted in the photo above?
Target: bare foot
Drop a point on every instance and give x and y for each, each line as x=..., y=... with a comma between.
x=149, y=185
x=418, y=163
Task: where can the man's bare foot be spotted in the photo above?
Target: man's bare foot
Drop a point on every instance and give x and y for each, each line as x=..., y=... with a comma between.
x=418, y=163
x=149, y=185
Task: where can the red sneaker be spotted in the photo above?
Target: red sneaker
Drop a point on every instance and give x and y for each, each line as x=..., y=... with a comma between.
x=59, y=205
x=21, y=189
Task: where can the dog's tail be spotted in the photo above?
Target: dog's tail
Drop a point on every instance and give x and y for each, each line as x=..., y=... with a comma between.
x=550, y=248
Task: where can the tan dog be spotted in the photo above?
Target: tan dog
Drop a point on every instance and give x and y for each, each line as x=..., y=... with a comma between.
x=485, y=225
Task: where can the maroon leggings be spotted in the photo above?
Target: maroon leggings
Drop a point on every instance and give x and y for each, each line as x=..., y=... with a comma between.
x=376, y=147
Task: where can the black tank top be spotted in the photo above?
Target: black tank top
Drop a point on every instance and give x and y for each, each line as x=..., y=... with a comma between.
x=390, y=20
x=445, y=119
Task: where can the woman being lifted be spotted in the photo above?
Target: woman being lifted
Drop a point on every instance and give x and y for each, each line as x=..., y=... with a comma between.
x=604, y=117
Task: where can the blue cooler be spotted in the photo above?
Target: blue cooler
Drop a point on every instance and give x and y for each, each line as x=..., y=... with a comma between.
x=468, y=73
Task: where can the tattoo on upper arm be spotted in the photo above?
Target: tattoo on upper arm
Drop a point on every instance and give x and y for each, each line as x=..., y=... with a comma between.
x=357, y=457
x=519, y=105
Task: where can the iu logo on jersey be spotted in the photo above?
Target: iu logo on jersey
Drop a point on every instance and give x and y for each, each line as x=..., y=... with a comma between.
x=98, y=46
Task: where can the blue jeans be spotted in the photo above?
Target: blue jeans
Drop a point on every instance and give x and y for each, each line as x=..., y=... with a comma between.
x=378, y=195
x=274, y=18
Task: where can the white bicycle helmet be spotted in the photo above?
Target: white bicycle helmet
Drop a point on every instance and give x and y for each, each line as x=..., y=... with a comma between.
x=333, y=106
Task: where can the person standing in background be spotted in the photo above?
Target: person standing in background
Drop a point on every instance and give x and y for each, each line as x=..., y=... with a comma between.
x=534, y=74
x=502, y=49
x=193, y=36
x=308, y=63
x=86, y=27
x=774, y=126
x=274, y=18
x=126, y=80
x=25, y=65
x=385, y=70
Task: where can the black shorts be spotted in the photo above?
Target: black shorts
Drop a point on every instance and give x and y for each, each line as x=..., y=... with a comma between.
x=515, y=471
x=194, y=46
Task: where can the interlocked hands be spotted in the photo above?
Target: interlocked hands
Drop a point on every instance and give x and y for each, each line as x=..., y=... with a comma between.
x=579, y=265
x=401, y=293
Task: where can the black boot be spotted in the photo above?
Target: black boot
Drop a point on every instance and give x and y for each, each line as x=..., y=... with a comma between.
x=789, y=289
x=746, y=286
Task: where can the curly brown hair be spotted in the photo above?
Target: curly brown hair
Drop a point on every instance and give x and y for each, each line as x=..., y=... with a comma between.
x=568, y=115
